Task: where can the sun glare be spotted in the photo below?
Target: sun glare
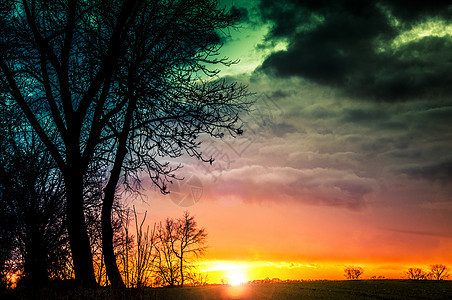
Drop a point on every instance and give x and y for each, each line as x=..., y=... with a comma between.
x=236, y=277
x=227, y=272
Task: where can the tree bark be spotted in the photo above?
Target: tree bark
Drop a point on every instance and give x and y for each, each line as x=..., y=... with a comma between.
x=181, y=269
x=109, y=195
x=78, y=235
x=107, y=239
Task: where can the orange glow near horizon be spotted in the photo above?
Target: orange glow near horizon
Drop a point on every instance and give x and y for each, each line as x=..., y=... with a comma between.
x=233, y=273
x=306, y=242
x=239, y=272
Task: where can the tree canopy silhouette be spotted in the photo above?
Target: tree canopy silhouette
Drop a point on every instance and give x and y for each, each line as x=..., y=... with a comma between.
x=416, y=274
x=439, y=272
x=353, y=272
x=31, y=199
x=178, y=242
x=116, y=86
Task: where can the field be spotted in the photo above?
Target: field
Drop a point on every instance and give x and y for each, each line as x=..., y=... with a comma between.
x=360, y=289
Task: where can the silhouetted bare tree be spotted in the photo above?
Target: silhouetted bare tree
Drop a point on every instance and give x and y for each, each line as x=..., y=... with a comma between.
x=178, y=243
x=137, y=256
x=116, y=84
x=416, y=274
x=439, y=272
x=138, y=260
x=189, y=244
x=6, y=220
x=7, y=241
x=93, y=215
x=32, y=194
x=196, y=278
x=353, y=272
x=167, y=264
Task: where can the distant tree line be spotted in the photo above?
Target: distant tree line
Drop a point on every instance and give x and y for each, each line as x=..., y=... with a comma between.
x=435, y=272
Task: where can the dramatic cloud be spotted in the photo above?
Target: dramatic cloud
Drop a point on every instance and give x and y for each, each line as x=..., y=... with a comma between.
x=318, y=186
x=436, y=171
x=383, y=50
x=346, y=153
x=320, y=128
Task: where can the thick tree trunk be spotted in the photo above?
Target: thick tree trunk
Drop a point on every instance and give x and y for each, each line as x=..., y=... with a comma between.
x=107, y=231
x=107, y=240
x=78, y=235
x=109, y=195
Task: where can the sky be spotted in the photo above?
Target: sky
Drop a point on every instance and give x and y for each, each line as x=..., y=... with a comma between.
x=346, y=156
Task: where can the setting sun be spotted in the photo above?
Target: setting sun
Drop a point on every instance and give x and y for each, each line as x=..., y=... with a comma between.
x=236, y=277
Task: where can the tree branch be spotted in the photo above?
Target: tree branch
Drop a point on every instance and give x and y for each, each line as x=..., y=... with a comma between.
x=17, y=95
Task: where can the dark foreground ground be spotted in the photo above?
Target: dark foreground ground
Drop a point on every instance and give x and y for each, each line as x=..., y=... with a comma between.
x=361, y=289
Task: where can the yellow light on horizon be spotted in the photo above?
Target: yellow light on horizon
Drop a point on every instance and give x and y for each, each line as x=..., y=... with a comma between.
x=236, y=277
x=226, y=272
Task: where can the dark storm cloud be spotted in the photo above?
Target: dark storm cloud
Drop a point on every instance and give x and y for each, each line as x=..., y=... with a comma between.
x=437, y=171
x=366, y=116
x=347, y=44
x=410, y=10
x=241, y=13
x=418, y=120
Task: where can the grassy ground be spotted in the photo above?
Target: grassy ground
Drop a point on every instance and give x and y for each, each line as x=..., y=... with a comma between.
x=361, y=289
